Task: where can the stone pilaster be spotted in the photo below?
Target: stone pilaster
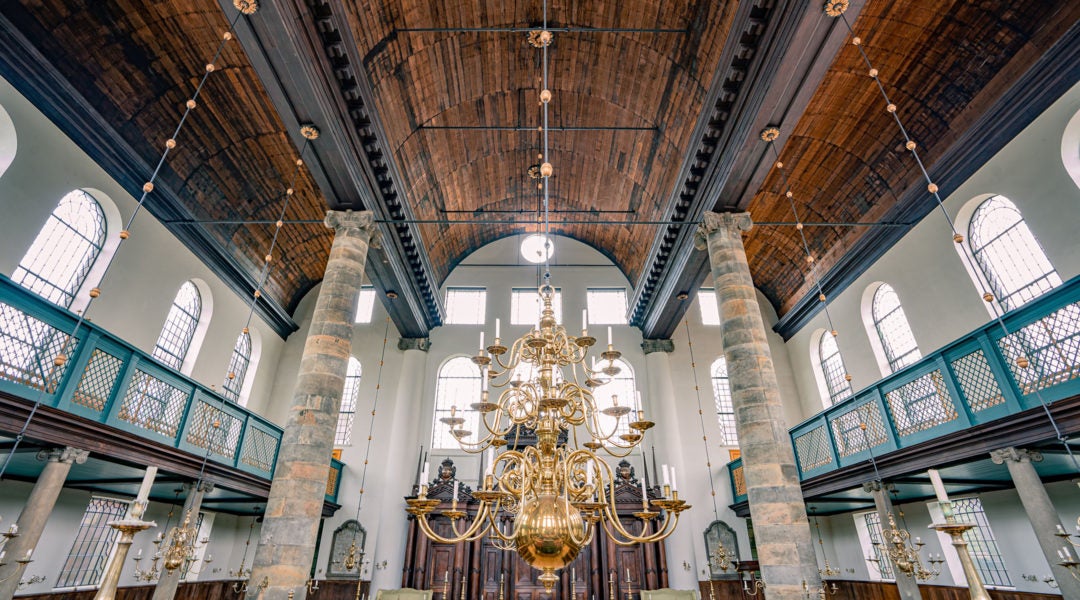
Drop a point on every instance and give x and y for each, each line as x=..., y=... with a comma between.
x=403, y=441
x=1040, y=511
x=906, y=584
x=785, y=546
x=662, y=408
x=166, y=584
x=294, y=508
x=36, y=513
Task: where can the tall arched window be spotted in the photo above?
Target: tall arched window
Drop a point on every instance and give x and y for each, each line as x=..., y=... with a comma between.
x=349, y=397
x=238, y=366
x=57, y=263
x=721, y=394
x=832, y=367
x=725, y=412
x=1009, y=256
x=175, y=338
x=458, y=386
x=893, y=329
x=621, y=388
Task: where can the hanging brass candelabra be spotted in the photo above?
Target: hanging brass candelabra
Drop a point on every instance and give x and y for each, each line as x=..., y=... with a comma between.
x=558, y=490
x=904, y=553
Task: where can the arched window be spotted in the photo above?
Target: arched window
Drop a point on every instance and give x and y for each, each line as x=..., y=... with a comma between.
x=238, y=366
x=57, y=263
x=1009, y=256
x=349, y=396
x=175, y=338
x=725, y=412
x=893, y=329
x=458, y=387
x=832, y=367
x=620, y=388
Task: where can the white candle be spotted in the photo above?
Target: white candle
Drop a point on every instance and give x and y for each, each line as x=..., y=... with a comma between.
x=667, y=477
x=628, y=575
x=2, y=554
x=148, y=480
x=584, y=319
x=1060, y=529
x=644, y=494
x=674, y=484
x=424, y=475
x=490, y=461
x=481, y=341
x=498, y=329
x=589, y=475
x=14, y=528
x=456, y=484
x=609, y=335
x=484, y=380
x=29, y=553
x=139, y=553
x=939, y=487
x=637, y=395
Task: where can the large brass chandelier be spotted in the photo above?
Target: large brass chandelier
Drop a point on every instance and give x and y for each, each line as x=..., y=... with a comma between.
x=556, y=490
x=559, y=491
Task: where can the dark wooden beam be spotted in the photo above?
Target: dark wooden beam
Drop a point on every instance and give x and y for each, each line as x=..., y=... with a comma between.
x=787, y=46
x=37, y=79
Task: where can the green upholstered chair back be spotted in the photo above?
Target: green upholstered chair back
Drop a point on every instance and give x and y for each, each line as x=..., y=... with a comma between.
x=670, y=594
x=403, y=594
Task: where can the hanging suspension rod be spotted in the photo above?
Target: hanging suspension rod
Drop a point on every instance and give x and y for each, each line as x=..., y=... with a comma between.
x=193, y=222
x=528, y=29
x=529, y=128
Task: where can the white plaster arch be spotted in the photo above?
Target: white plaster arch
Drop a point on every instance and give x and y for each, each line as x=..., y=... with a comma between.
x=113, y=225
x=9, y=142
x=253, y=364
x=962, y=222
x=866, y=310
x=1070, y=148
x=819, y=373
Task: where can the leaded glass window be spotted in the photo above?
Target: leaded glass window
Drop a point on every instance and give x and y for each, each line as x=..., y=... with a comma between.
x=1009, y=256
x=457, y=387
x=621, y=389
x=85, y=563
x=882, y=564
x=64, y=251
x=238, y=366
x=981, y=543
x=725, y=412
x=179, y=329
x=832, y=367
x=893, y=329
x=349, y=397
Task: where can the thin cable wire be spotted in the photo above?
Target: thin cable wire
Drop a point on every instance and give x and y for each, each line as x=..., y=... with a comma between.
x=701, y=419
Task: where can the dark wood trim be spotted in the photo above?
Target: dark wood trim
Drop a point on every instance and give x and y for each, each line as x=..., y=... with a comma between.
x=36, y=78
x=1046, y=81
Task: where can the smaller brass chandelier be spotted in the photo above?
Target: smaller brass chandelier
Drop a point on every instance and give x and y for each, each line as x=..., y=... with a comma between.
x=183, y=544
x=905, y=555
x=722, y=558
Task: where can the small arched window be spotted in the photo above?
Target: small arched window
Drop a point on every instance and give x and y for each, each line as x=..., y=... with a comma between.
x=175, y=338
x=1009, y=257
x=457, y=388
x=725, y=412
x=57, y=263
x=721, y=394
x=832, y=367
x=349, y=397
x=238, y=366
x=893, y=329
x=619, y=388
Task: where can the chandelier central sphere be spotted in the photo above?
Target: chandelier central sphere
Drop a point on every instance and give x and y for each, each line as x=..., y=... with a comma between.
x=554, y=486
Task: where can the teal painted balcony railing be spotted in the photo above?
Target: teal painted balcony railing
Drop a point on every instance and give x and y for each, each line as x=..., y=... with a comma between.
x=973, y=380
x=108, y=380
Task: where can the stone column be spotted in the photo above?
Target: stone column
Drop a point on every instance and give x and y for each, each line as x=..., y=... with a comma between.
x=398, y=476
x=38, y=507
x=294, y=508
x=662, y=402
x=785, y=546
x=1040, y=511
x=908, y=587
x=166, y=584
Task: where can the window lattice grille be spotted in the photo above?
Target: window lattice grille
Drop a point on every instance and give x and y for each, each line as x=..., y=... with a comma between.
x=1009, y=256
x=28, y=350
x=921, y=404
x=179, y=329
x=849, y=434
x=214, y=428
x=349, y=397
x=238, y=366
x=97, y=380
x=85, y=563
x=725, y=411
x=260, y=449
x=64, y=251
x=832, y=366
x=812, y=449
x=977, y=382
x=623, y=387
x=893, y=329
x=981, y=543
x=153, y=404
x=1052, y=347
x=458, y=386
x=873, y=528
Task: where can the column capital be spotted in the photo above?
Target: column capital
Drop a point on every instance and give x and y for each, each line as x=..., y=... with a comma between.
x=204, y=486
x=421, y=343
x=658, y=345
x=876, y=486
x=1012, y=454
x=733, y=223
x=67, y=454
x=353, y=222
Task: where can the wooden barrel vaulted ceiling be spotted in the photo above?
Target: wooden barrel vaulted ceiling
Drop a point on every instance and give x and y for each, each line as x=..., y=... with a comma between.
x=429, y=113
